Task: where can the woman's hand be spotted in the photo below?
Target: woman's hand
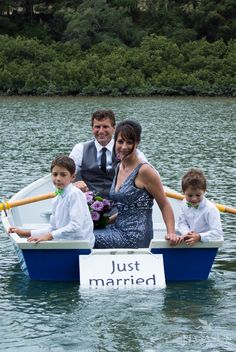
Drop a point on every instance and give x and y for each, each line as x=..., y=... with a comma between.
x=112, y=219
x=173, y=238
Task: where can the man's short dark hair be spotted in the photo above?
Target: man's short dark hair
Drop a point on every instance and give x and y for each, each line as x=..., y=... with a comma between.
x=102, y=115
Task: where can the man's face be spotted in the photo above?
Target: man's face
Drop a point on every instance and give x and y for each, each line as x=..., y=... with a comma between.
x=103, y=131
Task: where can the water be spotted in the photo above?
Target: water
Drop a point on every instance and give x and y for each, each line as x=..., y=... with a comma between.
x=178, y=133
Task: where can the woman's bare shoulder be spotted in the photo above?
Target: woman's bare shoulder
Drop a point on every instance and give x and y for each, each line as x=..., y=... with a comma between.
x=148, y=168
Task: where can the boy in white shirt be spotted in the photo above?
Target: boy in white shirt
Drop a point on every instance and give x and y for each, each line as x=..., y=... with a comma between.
x=199, y=219
x=70, y=219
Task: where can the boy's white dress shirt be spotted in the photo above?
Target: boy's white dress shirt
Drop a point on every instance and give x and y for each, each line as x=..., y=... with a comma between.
x=204, y=220
x=70, y=219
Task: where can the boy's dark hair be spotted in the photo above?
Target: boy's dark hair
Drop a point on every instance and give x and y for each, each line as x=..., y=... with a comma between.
x=102, y=115
x=194, y=178
x=64, y=161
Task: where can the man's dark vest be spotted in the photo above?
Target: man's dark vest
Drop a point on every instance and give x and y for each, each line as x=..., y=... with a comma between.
x=91, y=173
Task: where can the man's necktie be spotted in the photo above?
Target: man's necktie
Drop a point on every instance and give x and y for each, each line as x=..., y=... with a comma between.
x=104, y=160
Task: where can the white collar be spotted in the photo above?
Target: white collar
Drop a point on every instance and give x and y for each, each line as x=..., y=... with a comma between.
x=109, y=146
x=67, y=190
x=201, y=204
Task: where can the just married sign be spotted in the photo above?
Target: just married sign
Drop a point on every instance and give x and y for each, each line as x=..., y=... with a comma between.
x=122, y=270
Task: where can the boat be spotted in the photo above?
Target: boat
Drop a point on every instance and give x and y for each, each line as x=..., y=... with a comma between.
x=60, y=260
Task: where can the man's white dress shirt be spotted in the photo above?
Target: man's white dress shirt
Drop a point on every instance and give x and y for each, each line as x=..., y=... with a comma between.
x=77, y=153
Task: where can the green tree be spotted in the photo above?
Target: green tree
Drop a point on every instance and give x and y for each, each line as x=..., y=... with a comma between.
x=96, y=21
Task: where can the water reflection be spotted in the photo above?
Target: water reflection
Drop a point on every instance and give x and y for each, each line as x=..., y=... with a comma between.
x=47, y=293
x=179, y=297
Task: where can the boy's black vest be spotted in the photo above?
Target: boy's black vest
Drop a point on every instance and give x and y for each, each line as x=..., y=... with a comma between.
x=90, y=172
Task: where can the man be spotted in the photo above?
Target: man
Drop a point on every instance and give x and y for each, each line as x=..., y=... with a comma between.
x=95, y=162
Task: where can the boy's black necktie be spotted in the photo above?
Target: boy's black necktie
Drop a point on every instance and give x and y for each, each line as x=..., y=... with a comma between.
x=104, y=160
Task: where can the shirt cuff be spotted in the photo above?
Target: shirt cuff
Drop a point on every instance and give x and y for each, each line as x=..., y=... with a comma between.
x=203, y=238
x=56, y=235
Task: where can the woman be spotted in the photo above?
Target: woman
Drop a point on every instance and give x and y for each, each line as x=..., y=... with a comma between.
x=135, y=185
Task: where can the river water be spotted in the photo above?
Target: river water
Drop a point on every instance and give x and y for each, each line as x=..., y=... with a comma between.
x=178, y=133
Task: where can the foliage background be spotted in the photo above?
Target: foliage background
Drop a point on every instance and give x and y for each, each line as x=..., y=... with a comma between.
x=118, y=47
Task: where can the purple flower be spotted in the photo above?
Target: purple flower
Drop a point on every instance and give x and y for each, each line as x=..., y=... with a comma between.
x=106, y=203
x=117, y=157
x=89, y=197
x=97, y=205
x=95, y=216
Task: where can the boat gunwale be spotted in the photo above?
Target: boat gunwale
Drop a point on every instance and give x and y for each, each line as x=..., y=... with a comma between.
x=84, y=244
x=22, y=243
x=162, y=243
x=31, y=187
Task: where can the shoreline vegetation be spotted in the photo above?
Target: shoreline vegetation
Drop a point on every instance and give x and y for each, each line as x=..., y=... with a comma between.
x=118, y=48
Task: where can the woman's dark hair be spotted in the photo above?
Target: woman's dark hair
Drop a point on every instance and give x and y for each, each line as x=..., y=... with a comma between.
x=195, y=179
x=64, y=161
x=129, y=130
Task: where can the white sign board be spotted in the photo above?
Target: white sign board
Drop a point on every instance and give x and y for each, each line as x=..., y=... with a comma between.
x=122, y=270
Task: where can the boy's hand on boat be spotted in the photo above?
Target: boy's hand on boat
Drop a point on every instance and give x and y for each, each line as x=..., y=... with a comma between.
x=20, y=232
x=37, y=239
x=192, y=237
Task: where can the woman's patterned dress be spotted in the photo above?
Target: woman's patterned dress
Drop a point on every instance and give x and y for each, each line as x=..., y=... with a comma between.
x=133, y=227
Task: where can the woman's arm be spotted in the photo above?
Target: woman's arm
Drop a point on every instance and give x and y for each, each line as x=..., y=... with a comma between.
x=149, y=179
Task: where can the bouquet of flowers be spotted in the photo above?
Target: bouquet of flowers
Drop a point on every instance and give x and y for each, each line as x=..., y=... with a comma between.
x=99, y=208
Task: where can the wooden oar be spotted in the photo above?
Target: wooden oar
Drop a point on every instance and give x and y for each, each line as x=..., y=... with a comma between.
x=16, y=203
x=221, y=207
